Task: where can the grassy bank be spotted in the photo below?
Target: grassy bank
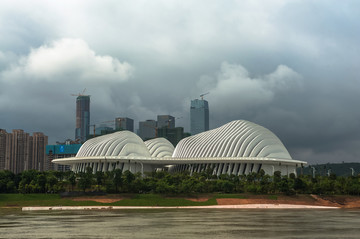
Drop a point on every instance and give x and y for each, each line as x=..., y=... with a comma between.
x=22, y=200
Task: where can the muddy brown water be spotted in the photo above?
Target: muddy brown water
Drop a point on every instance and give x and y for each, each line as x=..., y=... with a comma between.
x=184, y=223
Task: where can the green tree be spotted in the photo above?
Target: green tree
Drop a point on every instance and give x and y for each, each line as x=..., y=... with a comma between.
x=7, y=181
x=99, y=176
x=51, y=183
x=72, y=180
x=41, y=182
x=86, y=179
x=118, y=180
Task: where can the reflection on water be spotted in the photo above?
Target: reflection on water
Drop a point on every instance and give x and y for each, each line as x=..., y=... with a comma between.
x=189, y=223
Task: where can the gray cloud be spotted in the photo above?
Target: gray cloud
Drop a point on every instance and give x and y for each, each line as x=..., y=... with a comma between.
x=39, y=85
x=234, y=91
x=64, y=58
x=291, y=66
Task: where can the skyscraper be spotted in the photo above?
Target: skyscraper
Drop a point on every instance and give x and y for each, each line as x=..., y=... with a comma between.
x=124, y=124
x=37, y=157
x=148, y=129
x=166, y=121
x=199, y=116
x=174, y=135
x=82, y=117
x=3, y=135
x=17, y=151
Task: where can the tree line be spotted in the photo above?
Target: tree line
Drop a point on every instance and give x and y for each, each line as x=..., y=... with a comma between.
x=163, y=182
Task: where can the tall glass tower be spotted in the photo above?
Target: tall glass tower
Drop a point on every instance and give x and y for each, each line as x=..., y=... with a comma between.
x=82, y=118
x=199, y=116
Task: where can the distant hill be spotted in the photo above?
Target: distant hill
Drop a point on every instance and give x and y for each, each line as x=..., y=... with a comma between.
x=340, y=169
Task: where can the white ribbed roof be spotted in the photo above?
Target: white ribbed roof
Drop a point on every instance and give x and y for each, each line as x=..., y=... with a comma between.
x=125, y=143
x=160, y=147
x=122, y=143
x=238, y=138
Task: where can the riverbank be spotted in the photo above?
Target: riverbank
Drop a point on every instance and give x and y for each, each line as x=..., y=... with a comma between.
x=251, y=200
x=244, y=206
x=135, y=201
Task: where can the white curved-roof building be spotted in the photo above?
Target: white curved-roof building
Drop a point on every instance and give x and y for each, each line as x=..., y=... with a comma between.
x=159, y=147
x=237, y=139
x=239, y=147
x=119, y=144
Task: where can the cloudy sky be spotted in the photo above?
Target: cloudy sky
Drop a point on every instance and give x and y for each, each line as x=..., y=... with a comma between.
x=289, y=65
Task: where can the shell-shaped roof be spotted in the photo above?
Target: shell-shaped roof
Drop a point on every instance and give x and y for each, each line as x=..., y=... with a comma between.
x=122, y=143
x=238, y=138
x=160, y=147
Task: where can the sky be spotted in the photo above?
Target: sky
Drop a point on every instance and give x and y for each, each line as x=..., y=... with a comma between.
x=291, y=66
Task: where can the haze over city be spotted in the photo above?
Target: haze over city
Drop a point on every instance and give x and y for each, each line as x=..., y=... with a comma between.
x=291, y=66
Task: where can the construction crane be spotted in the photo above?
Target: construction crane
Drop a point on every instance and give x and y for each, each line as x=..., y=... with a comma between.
x=80, y=94
x=168, y=121
x=106, y=122
x=202, y=95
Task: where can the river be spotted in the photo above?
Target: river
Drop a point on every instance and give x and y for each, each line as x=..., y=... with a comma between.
x=184, y=223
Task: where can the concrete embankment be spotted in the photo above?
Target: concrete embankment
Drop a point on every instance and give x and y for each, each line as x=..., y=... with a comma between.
x=245, y=206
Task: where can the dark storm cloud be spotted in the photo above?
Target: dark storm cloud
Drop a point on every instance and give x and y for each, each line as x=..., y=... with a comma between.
x=36, y=90
x=291, y=66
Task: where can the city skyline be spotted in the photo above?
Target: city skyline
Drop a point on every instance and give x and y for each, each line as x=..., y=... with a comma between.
x=291, y=66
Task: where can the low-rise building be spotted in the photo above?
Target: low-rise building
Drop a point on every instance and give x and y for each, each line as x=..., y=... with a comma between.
x=59, y=152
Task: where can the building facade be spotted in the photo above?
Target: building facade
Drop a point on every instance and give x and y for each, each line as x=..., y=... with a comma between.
x=174, y=135
x=148, y=129
x=82, y=118
x=58, y=152
x=165, y=121
x=37, y=157
x=199, y=116
x=19, y=151
x=102, y=129
x=3, y=135
x=122, y=123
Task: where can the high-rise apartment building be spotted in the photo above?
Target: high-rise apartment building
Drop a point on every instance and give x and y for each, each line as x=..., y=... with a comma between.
x=82, y=118
x=3, y=135
x=19, y=151
x=199, y=116
x=37, y=158
x=147, y=129
x=124, y=124
x=165, y=121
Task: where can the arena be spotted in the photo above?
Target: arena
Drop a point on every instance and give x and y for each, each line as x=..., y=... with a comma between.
x=239, y=147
